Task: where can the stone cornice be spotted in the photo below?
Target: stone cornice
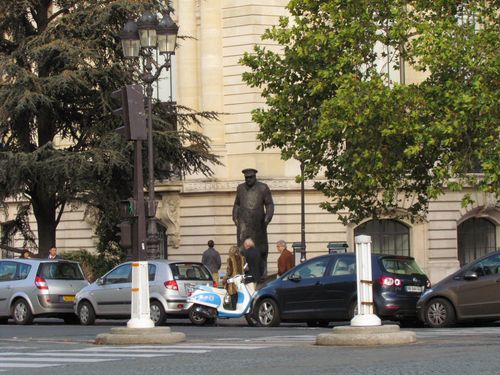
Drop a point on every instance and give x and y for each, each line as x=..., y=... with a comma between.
x=224, y=186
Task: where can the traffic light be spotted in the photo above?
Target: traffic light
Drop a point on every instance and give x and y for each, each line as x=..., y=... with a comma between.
x=128, y=208
x=132, y=112
x=125, y=234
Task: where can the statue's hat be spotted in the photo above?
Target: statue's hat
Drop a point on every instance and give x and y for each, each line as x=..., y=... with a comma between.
x=249, y=171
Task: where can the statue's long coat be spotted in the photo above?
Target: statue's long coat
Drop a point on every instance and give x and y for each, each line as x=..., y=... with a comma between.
x=253, y=209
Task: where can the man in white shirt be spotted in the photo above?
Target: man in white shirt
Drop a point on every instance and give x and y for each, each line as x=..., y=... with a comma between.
x=53, y=253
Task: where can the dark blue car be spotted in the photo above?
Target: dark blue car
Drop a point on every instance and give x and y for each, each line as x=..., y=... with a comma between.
x=323, y=289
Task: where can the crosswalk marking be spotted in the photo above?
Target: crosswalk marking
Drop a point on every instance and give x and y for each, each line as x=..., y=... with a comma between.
x=26, y=359
x=180, y=346
x=73, y=354
x=26, y=365
x=95, y=354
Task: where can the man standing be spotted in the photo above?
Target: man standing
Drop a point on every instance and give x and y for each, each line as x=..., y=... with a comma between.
x=211, y=260
x=255, y=266
x=53, y=253
x=285, y=260
x=253, y=210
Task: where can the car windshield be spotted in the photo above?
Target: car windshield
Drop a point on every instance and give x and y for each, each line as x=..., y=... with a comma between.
x=190, y=271
x=401, y=266
x=60, y=271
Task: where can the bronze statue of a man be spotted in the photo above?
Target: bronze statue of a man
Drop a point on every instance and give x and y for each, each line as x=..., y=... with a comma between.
x=252, y=211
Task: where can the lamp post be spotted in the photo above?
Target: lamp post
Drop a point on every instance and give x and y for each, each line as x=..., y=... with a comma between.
x=142, y=39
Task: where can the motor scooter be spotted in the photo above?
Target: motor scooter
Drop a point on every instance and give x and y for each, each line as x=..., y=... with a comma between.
x=209, y=303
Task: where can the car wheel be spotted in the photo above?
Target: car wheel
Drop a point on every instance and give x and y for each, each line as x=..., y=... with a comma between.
x=252, y=322
x=439, y=313
x=353, y=309
x=157, y=313
x=268, y=313
x=86, y=314
x=21, y=312
x=196, y=318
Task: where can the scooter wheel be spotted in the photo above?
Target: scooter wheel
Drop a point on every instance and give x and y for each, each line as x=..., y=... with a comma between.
x=196, y=319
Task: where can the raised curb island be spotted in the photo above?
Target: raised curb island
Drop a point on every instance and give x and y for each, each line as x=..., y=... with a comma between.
x=366, y=336
x=134, y=336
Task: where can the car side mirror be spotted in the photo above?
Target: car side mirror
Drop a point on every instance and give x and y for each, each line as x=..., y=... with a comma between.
x=100, y=281
x=470, y=275
x=295, y=277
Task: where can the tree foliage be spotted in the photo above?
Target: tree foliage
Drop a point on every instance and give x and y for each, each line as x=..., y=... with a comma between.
x=59, y=62
x=375, y=144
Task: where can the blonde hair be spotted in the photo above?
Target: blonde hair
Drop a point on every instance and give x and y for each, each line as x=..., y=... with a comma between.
x=233, y=251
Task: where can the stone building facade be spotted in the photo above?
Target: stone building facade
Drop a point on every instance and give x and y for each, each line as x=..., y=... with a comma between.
x=196, y=209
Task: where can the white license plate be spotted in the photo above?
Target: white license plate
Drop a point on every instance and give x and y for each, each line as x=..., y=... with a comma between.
x=415, y=289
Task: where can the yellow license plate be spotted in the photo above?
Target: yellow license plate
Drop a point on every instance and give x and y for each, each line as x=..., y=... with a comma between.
x=68, y=298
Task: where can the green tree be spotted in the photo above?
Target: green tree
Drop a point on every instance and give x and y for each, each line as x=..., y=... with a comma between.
x=378, y=145
x=59, y=62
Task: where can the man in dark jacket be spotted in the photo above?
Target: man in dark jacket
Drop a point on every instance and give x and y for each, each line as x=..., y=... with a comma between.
x=255, y=266
x=211, y=260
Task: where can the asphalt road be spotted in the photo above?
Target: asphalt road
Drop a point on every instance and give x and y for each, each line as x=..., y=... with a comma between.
x=51, y=347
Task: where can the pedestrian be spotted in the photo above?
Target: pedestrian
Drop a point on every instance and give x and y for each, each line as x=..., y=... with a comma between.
x=285, y=260
x=53, y=253
x=25, y=254
x=255, y=266
x=235, y=266
x=211, y=260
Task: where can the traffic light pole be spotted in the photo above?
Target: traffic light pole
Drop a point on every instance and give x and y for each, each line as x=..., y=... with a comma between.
x=140, y=245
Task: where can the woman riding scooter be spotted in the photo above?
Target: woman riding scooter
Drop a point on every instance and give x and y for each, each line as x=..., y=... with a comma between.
x=235, y=264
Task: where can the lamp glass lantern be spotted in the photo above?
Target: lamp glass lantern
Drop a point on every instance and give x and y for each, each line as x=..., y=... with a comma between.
x=167, y=34
x=147, y=29
x=130, y=40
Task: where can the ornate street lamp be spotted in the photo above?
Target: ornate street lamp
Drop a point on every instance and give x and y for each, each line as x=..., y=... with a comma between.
x=142, y=39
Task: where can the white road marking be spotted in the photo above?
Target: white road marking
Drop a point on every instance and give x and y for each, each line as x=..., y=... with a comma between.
x=74, y=354
x=154, y=348
x=26, y=359
x=138, y=350
x=25, y=365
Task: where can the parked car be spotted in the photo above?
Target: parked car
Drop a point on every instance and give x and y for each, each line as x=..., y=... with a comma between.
x=170, y=283
x=324, y=289
x=31, y=288
x=471, y=293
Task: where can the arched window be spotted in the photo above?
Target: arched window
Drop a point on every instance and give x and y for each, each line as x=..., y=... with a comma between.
x=388, y=236
x=476, y=237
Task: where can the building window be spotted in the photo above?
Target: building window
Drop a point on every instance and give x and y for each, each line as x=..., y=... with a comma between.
x=476, y=237
x=388, y=236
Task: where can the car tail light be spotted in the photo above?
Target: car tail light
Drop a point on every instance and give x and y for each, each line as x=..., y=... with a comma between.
x=40, y=283
x=171, y=284
x=390, y=281
x=215, y=284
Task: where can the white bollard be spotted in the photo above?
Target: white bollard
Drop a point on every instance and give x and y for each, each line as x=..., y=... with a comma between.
x=365, y=316
x=140, y=315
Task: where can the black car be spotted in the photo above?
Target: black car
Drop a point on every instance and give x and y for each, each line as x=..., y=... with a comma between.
x=323, y=289
x=470, y=294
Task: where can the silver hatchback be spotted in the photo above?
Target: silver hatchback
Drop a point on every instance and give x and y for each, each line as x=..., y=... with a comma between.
x=31, y=288
x=170, y=283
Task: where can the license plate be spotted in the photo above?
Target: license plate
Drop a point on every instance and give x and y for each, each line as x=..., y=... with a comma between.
x=415, y=289
x=68, y=298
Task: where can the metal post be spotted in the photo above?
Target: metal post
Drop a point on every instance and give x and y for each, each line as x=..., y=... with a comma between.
x=139, y=249
x=302, y=216
x=152, y=232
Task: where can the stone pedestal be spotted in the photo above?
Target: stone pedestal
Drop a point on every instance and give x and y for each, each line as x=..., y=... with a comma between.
x=366, y=336
x=136, y=336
